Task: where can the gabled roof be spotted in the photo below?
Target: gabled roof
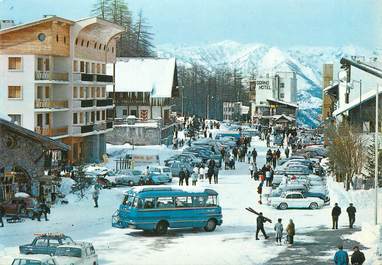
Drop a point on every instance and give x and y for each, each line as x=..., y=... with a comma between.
x=36, y=22
x=282, y=102
x=282, y=116
x=354, y=103
x=46, y=141
x=152, y=75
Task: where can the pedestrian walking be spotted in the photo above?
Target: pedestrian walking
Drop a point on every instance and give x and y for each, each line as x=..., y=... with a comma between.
x=260, y=226
x=274, y=158
x=351, y=210
x=95, y=197
x=254, y=155
x=2, y=212
x=44, y=210
x=251, y=170
x=186, y=176
x=201, y=172
x=268, y=177
x=286, y=151
x=255, y=172
x=279, y=231
x=336, y=212
x=290, y=232
x=341, y=257
x=194, y=178
x=358, y=258
x=216, y=175
x=249, y=155
x=260, y=191
x=182, y=176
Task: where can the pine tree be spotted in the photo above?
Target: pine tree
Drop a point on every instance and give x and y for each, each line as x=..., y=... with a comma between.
x=143, y=41
x=101, y=7
x=369, y=172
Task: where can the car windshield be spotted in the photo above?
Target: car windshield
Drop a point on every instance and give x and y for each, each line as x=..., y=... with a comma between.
x=69, y=252
x=26, y=262
x=166, y=170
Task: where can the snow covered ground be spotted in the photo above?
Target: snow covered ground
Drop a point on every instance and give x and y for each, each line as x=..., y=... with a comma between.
x=232, y=243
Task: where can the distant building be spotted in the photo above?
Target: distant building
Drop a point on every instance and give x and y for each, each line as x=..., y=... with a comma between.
x=26, y=159
x=6, y=23
x=273, y=93
x=53, y=80
x=353, y=96
x=145, y=89
x=235, y=111
x=327, y=102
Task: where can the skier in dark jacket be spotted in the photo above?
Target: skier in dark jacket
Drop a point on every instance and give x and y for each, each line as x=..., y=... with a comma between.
x=187, y=176
x=351, y=213
x=358, y=258
x=286, y=152
x=260, y=226
x=336, y=212
x=254, y=155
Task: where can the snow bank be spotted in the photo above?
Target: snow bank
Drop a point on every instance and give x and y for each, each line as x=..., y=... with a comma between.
x=66, y=185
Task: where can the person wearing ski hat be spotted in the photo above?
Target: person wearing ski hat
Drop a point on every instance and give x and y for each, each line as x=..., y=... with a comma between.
x=260, y=226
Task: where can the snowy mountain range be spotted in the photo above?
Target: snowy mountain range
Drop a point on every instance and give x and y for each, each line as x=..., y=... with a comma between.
x=260, y=59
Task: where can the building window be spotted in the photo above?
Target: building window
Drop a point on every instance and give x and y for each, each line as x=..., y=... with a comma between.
x=75, y=66
x=41, y=37
x=40, y=64
x=75, y=92
x=98, y=68
x=103, y=92
x=281, y=95
x=15, y=118
x=81, y=118
x=82, y=66
x=103, y=68
x=47, y=92
x=47, y=119
x=40, y=92
x=282, y=85
x=93, y=68
x=112, y=49
x=104, y=115
x=100, y=46
x=76, y=42
x=104, y=47
x=75, y=118
x=124, y=112
x=65, y=39
x=98, y=115
x=98, y=92
x=87, y=44
x=82, y=43
x=46, y=64
x=92, y=115
x=14, y=92
x=56, y=37
x=95, y=45
x=93, y=92
x=81, y=92
x=14, y=63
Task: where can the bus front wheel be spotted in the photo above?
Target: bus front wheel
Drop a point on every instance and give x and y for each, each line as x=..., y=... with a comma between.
x=161, y=228
x=210, y=226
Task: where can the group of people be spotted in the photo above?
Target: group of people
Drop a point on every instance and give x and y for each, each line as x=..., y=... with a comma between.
x=279, y=229
x=200, y=172
x=336, y=212
x=342, y=258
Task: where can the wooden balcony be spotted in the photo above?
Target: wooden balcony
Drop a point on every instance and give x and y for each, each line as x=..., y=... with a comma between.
x=51, y=76
x=51, y=132
x=50, y=104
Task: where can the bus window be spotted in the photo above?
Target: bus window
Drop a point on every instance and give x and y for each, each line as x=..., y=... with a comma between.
x=165, y=202
x=199, y=201
x=128, y=200
x=138, y=203
x=211, y=201
x=149, y=203
x=183, y=202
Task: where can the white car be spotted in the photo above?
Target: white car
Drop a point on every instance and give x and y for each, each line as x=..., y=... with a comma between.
x=296, y=200
x=35, y=260
x=163, y=170
x=76, y=254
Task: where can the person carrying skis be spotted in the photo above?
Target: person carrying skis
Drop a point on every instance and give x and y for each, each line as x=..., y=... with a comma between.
x=260, y=226
x=279, y=231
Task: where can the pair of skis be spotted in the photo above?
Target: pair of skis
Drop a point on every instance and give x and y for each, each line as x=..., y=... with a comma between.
x=249, y=209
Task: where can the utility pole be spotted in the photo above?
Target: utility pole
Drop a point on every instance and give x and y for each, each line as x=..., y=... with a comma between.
x=376, y=154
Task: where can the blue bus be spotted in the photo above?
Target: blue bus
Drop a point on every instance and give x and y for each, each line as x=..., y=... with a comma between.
x=156, y=209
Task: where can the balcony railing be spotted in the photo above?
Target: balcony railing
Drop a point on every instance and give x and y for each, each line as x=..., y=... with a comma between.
x=51, y=132
x=87, y=77
x=50, y=76
x=87, y=128
x=104, y=78
x=50, y=104
x=87, y=103
x=104, y=102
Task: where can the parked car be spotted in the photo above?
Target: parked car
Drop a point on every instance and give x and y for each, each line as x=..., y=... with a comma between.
x=296, y=200
x=183, y=159
x=45, y=244
x=23, y=206
x=322, y=195
x=130, y=178
x=163, y=173
x=76, y=254
x=35, y=260
x=177, y=165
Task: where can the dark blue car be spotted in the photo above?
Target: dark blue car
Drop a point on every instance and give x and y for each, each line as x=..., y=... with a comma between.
x=45, y=244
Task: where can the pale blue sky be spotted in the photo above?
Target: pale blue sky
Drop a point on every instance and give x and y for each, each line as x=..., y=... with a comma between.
x=281, y=23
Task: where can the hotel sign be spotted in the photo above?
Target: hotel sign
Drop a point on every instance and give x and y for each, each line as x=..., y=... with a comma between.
x=262, y=84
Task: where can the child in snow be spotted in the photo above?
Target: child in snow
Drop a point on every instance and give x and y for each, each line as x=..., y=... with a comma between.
x=279, y=231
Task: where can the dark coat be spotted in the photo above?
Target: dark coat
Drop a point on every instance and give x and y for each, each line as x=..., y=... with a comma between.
x=260, y=221
x=357, y=258
x=351, y=211
x=336, y=211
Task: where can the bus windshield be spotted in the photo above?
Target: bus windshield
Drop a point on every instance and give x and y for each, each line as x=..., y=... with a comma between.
x=128, y=200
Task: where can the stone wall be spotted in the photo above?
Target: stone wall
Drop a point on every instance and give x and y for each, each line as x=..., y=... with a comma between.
x=134, y=135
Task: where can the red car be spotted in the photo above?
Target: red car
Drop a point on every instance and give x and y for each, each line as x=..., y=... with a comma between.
x=22, y=206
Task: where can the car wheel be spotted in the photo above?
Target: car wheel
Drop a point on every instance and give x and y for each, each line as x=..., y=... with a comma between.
x=161, y=228
x=210, y=226
x=313, y=206
x=283, y=206
x=130, y=183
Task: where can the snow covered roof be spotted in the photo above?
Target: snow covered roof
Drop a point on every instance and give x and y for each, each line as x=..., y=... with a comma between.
x=332, y=87
x=354, y=103
x=282, y=102
x=282, y=116
x=4, y=116
x=156, y=76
